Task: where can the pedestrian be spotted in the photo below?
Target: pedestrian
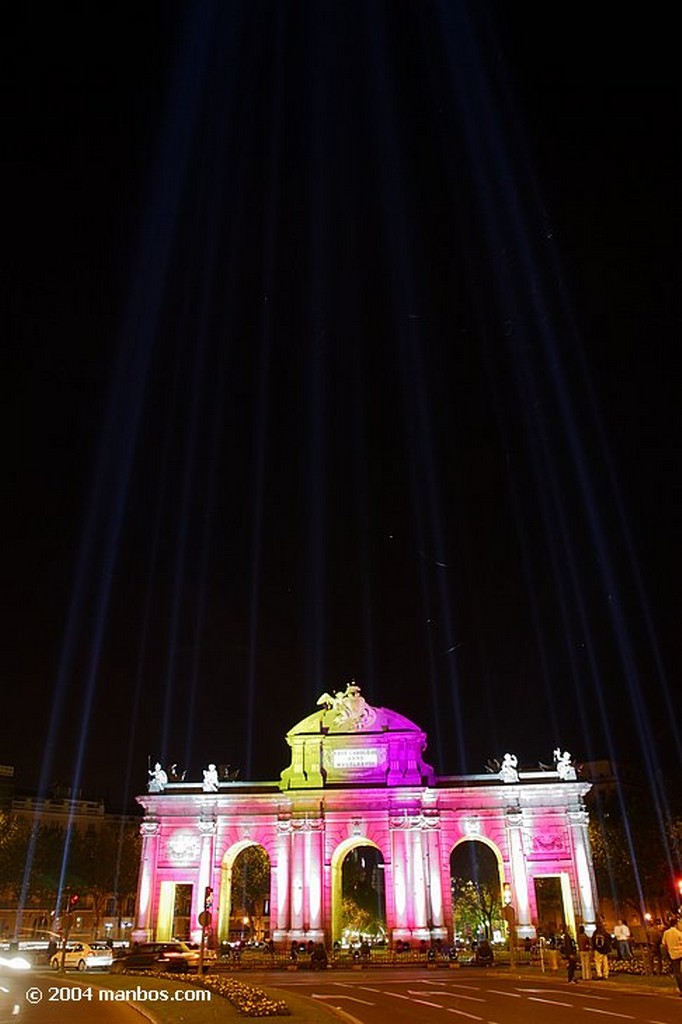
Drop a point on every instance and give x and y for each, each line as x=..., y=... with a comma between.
x=622, y=935
x=601, y=947
x=654, y=938
x=570, y=955
x=672, y=945
x=585, y=951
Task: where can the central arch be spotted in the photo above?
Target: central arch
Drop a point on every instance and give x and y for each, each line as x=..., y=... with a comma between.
x=337, y=862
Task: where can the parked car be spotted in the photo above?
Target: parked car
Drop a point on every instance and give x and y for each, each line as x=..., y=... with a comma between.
x=158, y=956
x=83, y=955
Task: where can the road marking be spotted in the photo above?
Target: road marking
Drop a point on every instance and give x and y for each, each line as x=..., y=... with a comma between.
x=499, y=992
x=366, y=988
x=425, y=1002
x=453, y=995
x=552, y=1002
x=352, y=999
x=461, y=1013
x=469, y=988
x=397, y=995
x=608, y=1013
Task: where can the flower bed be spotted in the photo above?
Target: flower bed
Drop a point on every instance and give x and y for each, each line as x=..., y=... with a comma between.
x=246, y=999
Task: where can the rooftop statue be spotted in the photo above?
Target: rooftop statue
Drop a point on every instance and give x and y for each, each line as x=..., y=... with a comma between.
x=210, y=779
x=564, y=766
x=158, y=779
x=508, y=771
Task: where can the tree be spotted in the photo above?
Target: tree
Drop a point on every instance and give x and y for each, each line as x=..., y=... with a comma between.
x=103, y=863
x=355, y=919
x=632, y=860
x=476, y=905
x=251, y=885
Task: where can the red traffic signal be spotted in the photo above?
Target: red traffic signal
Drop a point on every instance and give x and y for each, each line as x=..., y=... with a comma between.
x=208, y=897
x=74, y=899
x=679, y=886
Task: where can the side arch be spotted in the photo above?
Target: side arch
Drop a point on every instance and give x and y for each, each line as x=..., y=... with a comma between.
x=226, y=867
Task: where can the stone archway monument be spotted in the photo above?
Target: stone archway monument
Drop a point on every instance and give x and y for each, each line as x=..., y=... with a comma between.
x=358, y=777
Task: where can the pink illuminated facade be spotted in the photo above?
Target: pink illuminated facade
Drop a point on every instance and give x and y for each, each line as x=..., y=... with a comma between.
x=357, y=778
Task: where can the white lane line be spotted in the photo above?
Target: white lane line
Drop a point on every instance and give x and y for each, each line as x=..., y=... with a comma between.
x=576, y=993
x=608, y=1013
x=452, y=995
x=461, y=1013
x=397, y=995
x=351, y=998
x=552, y=1002
x=366, y=988
x=499, y=992
x=425, y=1002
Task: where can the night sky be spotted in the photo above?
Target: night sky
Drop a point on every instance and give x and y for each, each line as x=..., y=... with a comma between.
x=342, y=345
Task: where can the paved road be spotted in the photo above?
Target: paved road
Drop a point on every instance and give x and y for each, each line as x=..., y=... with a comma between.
x=374, y=997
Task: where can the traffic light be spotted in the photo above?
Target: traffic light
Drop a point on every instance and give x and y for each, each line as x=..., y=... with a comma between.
x=208, y=897
x=73, y=900
x=679, y=887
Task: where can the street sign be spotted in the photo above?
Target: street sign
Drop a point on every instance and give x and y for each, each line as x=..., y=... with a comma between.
x=205, y=918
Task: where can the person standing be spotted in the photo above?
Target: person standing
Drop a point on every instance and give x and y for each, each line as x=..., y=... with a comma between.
x=654, y=937
x=570, y=955
x=622, y=935
x=585, y=951
x=601, y=947
x=672, y=944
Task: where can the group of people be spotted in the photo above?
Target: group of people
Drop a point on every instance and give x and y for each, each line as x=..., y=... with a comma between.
x=593, y=951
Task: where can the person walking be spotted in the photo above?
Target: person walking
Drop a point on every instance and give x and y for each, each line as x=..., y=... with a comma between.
x=585, y=952
x=601, y=947
x=672, y=944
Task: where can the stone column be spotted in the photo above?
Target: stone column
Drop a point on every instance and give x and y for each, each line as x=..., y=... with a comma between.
x=297, y=880
x=436, y=908
x=313, y=875
x=146, y=885
x=400, y=929
x=281, y=895
x=207, y=830
x=582, y=858
x=519, y=874
x=416, y=839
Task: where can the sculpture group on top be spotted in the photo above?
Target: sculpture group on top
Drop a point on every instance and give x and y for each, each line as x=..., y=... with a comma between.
x=350, y=708
x=508, y=768
x=347, y=711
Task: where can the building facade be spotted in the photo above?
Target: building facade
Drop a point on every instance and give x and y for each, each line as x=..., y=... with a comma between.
x=357, y=778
